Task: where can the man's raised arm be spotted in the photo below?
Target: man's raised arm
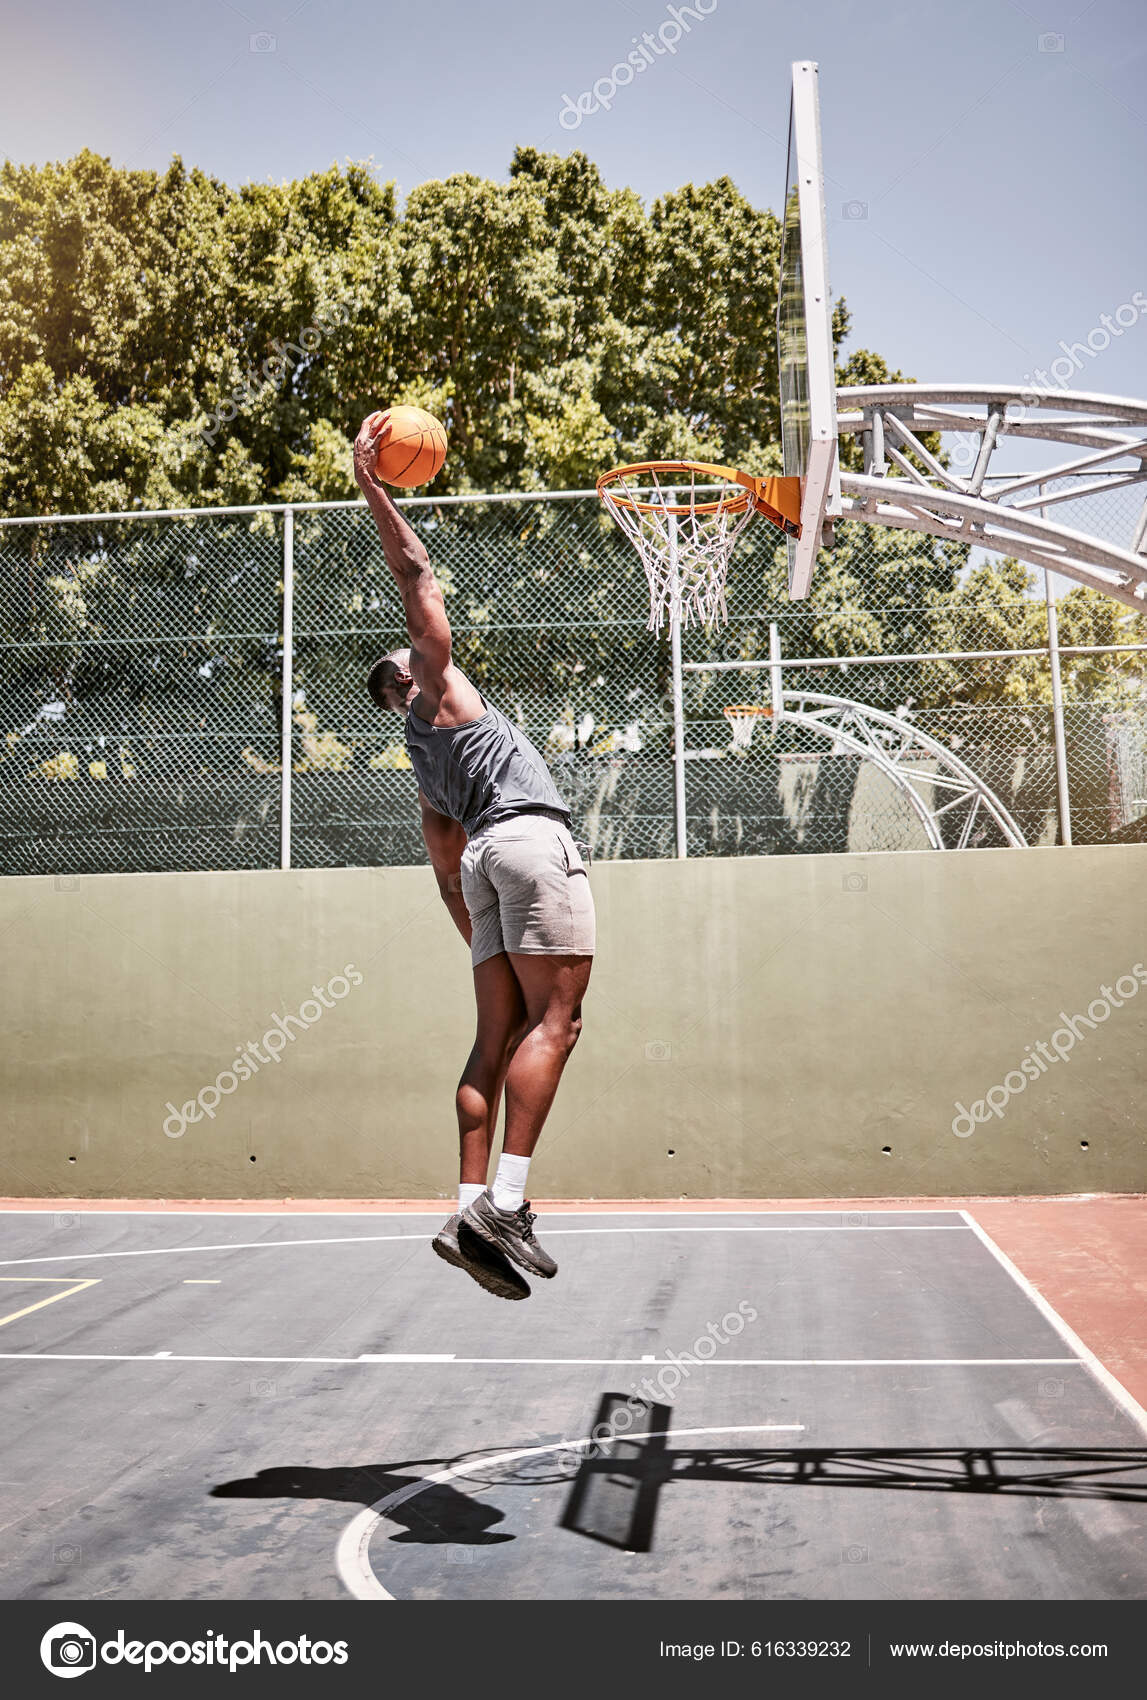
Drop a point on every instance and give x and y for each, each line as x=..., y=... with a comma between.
x=410, y=566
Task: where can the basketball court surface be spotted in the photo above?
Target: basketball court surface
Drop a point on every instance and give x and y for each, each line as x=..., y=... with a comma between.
x=818, y=1402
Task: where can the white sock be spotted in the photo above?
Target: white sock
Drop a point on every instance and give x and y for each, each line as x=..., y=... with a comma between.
x=510, y=1182
x=468, y=1191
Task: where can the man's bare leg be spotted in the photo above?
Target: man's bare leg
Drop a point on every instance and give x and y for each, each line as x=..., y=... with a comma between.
x=502, y=1018
x=552, y=988
x=501, y=1022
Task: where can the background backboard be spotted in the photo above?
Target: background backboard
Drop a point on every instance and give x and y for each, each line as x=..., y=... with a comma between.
x=804, y=333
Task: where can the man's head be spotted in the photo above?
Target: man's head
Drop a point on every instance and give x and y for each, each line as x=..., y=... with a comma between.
x=390, y=681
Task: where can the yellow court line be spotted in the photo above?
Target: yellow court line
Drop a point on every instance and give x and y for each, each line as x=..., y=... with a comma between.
x=75, y=1287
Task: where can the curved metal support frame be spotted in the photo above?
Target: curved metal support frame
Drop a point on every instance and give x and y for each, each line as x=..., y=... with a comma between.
x=1000, y=512
x=888, y=742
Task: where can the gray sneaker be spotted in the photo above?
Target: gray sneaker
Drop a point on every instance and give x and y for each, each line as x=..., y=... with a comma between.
x=511, y=1232
x=458, y=1244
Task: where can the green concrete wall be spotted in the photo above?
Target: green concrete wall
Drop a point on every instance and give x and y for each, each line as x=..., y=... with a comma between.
x=783, y=1027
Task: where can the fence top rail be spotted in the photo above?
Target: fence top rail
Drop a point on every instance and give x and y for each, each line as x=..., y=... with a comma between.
x=473, y=496
x=469, y=496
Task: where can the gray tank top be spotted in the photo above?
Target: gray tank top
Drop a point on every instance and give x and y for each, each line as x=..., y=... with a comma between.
x=481, y=771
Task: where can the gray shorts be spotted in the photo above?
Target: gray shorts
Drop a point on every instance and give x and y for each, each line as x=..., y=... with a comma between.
x=527, y=890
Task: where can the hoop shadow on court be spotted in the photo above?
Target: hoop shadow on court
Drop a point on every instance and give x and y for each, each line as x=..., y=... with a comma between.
x=615, y=1494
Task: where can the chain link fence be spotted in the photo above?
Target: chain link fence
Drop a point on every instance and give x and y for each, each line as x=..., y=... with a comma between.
x=142, y=672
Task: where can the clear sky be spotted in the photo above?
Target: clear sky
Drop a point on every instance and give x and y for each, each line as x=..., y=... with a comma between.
x=985, y=157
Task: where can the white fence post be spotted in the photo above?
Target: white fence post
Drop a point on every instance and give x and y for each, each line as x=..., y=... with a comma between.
x=776, y=673
x=679, y=814
x=288, y=682
x=1057, y=712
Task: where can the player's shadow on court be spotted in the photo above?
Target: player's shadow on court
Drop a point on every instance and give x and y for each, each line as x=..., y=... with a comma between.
x=438, y=1515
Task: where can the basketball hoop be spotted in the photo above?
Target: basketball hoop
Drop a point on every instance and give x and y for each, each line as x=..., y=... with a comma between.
x=684, y=518
x=742, y=718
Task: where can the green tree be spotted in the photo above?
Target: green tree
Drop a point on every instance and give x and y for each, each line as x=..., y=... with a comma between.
x=168, y=340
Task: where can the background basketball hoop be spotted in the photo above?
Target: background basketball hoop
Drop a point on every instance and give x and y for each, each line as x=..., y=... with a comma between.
x=742, y=718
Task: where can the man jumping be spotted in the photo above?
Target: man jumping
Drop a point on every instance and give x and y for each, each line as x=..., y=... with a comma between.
x=510, y=874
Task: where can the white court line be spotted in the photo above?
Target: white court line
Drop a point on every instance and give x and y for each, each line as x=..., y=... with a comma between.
x=550, y=1233
x=455, y=1362
x=405, y=1358
x=552, y=1210
x=239, y=1245
x=1127, y=1404
x=352, y=1554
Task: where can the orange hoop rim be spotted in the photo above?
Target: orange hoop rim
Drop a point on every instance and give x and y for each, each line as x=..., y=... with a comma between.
x=777, y=499
x=731, y=501
x=734, y=708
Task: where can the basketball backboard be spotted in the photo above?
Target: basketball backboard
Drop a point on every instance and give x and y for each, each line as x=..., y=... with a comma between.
x=804, y=334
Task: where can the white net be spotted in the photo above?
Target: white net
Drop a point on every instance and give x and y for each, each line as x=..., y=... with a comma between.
x=684, y=522
x=743, y=718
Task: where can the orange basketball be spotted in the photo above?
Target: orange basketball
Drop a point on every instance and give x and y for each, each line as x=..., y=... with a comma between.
x=413, y=450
